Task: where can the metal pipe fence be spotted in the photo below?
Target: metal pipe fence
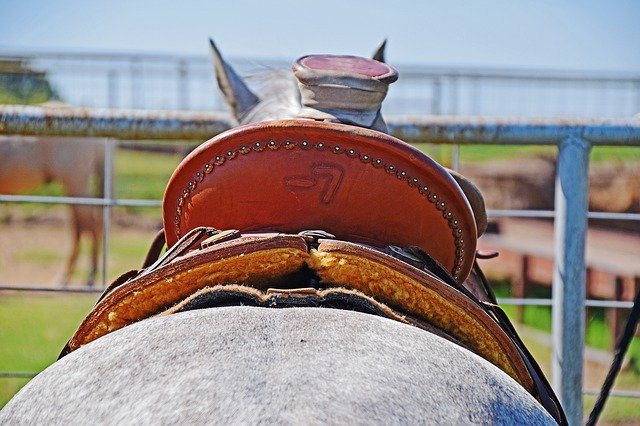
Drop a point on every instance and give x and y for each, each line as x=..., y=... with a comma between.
x=573, y=137
x=169, y=82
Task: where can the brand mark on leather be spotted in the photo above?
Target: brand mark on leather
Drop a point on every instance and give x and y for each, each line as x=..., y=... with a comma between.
x=323, y=177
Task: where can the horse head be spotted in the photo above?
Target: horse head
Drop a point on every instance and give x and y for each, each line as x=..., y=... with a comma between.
x=280, y=97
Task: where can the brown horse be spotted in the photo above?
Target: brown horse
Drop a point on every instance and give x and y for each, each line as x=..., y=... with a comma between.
x=26, y=163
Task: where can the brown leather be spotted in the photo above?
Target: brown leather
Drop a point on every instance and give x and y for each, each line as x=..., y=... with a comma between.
x=256, y=260
x=420, y=294
x=475, y=198
x=358, y=184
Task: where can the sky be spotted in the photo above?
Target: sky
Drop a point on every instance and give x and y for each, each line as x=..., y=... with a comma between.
x=527, y=34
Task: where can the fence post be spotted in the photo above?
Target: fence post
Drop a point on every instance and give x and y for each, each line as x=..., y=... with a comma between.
x=108, y=196
x=568, y=322
x=454, y=83
x=436, y=97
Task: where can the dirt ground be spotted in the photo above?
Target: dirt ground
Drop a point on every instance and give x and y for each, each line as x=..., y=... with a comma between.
x=33, y=252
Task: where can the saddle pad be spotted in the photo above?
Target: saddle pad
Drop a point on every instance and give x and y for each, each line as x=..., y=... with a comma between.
x=334, y=298
x=358, y=184
x=240, y=295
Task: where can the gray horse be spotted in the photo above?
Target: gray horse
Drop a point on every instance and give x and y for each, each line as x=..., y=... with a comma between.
x=241, y=364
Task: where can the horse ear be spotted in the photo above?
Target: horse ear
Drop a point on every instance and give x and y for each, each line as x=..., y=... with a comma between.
x=379, y=53
x=238, y=96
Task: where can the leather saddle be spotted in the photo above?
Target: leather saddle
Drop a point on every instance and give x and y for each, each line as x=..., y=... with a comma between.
x=312, y=213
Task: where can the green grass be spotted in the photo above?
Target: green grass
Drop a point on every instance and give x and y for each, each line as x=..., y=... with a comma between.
x=50, y=189
x=143, y=175
x=614, y=153
x=34, y=329
x=39, y=92
x=43, y=256
x=617, y=410
x=127, y=251
x=14, y=99
x=483, y=153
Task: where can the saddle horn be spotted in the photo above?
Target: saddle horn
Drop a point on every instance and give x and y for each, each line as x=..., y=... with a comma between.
x=343, y=89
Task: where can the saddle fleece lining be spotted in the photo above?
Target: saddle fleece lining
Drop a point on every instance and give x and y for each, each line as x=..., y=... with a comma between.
x=399, y=289
x=154, y=293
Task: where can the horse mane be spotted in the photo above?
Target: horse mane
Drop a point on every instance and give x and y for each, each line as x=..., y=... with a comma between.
x=278, y=93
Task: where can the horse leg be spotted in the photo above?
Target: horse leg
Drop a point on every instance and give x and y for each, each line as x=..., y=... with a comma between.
x=75, y=247
x=89, y=222
x=77, y=183
x=96, y=241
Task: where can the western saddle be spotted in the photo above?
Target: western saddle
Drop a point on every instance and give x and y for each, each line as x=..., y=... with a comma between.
x=320, y=211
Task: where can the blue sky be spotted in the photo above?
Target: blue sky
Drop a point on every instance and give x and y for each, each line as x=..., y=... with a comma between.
x=589, y=34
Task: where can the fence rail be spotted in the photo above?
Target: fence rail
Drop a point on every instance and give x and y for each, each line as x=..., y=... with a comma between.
x=187, y=125
x=116, y=80
x=573, y=137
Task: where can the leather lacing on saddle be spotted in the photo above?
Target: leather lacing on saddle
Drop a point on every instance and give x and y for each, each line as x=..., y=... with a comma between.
x=210, y=268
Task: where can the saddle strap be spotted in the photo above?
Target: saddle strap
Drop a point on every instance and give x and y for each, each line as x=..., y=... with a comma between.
x=153, y=260
x=185, y=244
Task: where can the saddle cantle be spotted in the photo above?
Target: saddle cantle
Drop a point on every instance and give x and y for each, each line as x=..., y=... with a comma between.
x=357, y=184
x=263, y=261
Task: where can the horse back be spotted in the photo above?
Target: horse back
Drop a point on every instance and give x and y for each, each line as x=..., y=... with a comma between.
x=258, y=365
